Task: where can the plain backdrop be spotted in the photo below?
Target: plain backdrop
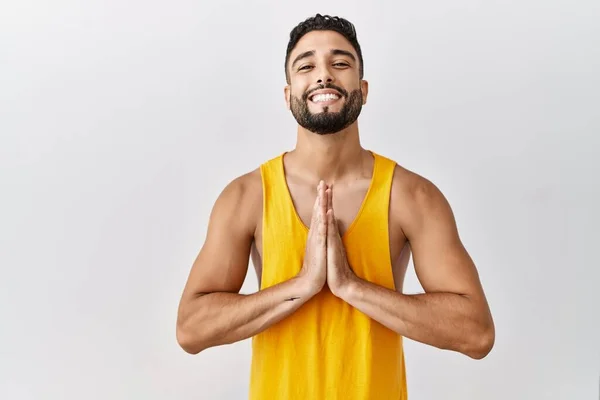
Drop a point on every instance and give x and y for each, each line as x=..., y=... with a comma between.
x=121, y=122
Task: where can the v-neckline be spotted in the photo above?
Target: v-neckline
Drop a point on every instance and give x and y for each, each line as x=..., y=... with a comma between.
x=360, y=210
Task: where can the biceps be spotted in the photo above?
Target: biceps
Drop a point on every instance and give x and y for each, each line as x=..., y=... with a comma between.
x=441, y=261
x=222, y=263
x=442, y=264
x=221, y=266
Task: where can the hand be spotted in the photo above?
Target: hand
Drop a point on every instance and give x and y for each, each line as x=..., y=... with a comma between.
x=339, y=273
x=314, y=268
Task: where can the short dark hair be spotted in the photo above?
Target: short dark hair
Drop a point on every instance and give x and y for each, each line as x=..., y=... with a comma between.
x=324, y=23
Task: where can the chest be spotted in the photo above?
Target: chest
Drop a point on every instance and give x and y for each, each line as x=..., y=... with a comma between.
x=347, y=199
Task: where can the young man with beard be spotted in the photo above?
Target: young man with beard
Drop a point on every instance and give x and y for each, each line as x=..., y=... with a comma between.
x=330, y=227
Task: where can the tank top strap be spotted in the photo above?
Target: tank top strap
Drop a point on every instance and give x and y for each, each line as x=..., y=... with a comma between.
x=378, y=198
x=283, y=234
x=375, y=206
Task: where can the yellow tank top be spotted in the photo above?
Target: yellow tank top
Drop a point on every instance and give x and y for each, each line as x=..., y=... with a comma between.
x=327, y=349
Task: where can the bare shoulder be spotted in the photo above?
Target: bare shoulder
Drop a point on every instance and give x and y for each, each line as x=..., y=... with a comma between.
x=241, y=200
x=222, y=261
x=415, y=198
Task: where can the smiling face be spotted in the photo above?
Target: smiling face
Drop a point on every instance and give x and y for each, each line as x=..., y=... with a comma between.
x=325, y=93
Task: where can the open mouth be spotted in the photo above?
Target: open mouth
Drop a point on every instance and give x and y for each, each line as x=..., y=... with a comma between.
x=324, y=98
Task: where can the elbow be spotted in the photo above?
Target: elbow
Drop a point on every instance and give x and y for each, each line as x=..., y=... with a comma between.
x=482, y=343
x=191, y=344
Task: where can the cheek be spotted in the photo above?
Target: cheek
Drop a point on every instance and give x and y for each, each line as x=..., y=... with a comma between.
x=351, y=84
x=299, y=85
x=297, y=92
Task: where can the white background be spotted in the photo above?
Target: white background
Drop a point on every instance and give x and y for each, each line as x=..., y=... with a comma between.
x=121, y=121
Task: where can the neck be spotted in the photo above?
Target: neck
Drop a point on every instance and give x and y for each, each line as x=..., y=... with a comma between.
x=329, y=157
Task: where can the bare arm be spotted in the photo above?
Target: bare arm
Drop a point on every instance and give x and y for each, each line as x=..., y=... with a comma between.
x=453, y=313
x=211, y=311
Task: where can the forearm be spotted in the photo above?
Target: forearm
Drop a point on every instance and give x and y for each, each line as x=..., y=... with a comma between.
x=444, y=320
x=219, y=318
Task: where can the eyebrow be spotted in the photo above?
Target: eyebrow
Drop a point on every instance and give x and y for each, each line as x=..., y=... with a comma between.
x=335, y=52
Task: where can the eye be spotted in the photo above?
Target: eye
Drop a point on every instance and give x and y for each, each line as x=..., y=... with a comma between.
x=304, y=68
x=341, y=64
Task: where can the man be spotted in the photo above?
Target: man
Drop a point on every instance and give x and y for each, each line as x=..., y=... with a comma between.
x=330, y=227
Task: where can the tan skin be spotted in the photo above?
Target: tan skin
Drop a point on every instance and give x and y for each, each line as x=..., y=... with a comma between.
x=453, y=312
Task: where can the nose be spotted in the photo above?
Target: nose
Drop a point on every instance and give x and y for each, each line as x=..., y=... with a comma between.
x=324, y=76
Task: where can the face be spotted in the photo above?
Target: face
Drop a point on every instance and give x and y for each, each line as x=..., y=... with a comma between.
x=325, y=93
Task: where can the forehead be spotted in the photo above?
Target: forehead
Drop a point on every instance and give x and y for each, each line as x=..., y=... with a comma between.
x=322, y=42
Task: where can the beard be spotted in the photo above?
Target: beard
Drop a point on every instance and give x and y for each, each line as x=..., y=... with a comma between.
x=327, y=122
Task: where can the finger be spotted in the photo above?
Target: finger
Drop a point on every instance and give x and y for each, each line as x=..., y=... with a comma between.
x=316, y=207
x=322, y=227
x=330, y=198
x=324, y=198
x=322, y=202
x=325, y=207
x=330, y=223
x=334, y=220
x=322, y=232
x=333, y=229
x=323, y=211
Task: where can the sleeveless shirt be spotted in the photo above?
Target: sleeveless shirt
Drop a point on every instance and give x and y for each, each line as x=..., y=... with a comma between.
x=327, y=349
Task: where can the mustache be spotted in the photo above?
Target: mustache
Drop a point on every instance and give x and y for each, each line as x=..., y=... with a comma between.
x=326, y=86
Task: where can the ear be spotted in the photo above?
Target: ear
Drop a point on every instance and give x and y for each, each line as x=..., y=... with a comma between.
x=286, y=93
x=364, y=85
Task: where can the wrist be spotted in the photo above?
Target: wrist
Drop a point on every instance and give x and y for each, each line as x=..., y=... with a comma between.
x=348, y=288
x=305, y=287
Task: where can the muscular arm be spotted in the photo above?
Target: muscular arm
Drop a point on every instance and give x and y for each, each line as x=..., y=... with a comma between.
x=211, y=310
x=453, y=313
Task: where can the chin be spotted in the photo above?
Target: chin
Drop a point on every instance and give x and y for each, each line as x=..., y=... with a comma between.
x=336, y=106
x=327, y=109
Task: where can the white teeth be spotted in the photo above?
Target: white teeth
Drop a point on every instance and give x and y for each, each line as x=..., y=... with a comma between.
x=324, y=97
